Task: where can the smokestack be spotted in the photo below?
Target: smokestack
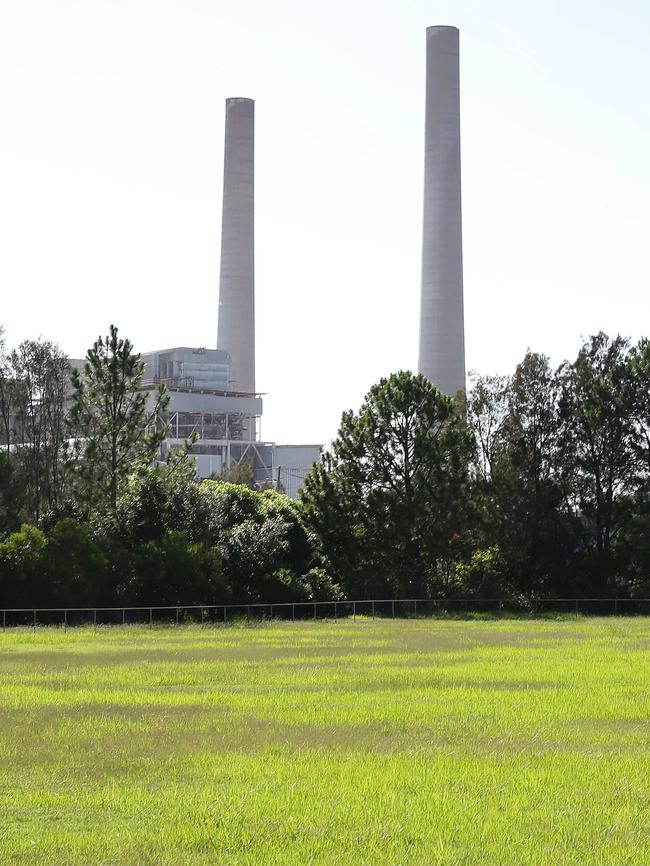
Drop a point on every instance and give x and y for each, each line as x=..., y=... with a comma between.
x=236, y=328
x=442, y=332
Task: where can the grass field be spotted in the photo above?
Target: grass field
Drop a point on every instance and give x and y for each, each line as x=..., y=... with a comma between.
x=386, y=742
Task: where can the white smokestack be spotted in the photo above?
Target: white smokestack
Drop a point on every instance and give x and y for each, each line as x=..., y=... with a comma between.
x=442, y=332
x=236, y=328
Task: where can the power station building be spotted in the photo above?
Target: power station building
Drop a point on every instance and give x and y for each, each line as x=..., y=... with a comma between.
x=225, y=421
x=213, y=391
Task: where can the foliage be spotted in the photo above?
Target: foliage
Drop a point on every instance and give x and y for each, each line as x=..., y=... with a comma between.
x=261, y=536
x=33, y=381
x=76, y=566
x=597, y=437
x=117, y=431
x=532, y=484
x=386, y=503
x=176, y=570
x=12, y=493
x=159, y=501
x=486, y=575
x=22, y=558
x=320, y=586
x=240, y=473
x=519, y=486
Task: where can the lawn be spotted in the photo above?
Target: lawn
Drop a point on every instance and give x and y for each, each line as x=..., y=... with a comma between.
x=500, y=743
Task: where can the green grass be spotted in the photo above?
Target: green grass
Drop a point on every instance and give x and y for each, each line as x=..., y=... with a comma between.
x=385, y=742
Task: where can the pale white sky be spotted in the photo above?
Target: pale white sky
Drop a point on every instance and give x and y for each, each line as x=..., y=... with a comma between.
x=111, y=159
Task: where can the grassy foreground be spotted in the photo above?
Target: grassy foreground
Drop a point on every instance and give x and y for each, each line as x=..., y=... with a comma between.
x=385, y=742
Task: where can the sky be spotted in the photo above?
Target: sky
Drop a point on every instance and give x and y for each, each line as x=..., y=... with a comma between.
x=111, y=162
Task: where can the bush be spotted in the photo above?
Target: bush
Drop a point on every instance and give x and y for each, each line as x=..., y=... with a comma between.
x=158, y=502
x=22, y=568
x=12, y=493
x=319, y=586
x=263, y=541
x=174, y=571
x=77, y=568
x=484, y=576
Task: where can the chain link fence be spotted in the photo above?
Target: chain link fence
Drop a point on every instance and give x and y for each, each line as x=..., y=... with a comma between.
x=220, y=614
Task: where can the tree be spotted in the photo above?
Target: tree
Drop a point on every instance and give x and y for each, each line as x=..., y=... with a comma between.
x=175, y=570
x=12, y=493
x=22, y=568
x=76, y=566
x=6, y=401
x=239, y=473
x=639, y=385
x=39, y=378
x=389, y=501
x=118, y=431
x=486, y=412
x=265, y=547
x=519, y=494
x=597, y=439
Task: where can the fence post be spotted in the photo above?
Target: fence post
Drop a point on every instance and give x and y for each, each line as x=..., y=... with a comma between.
x=336, y=616
x=150, y=616
x=224, y=614
x=123, y=616
x=4, y=620
x=271, y=614
x=248, y=613
x=393, y=606
x=293, y=611
x=314, y=610
x=202, y=615
x=576, y=607
x=415, y=607
x=176, y=616
x=65, y=619
x=615, y=605
x=354, y=611
x=94, y=617
x=34, y=620
x=373, y=608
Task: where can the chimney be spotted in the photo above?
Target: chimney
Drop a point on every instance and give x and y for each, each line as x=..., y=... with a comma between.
x=442, y=332
x=236, y=322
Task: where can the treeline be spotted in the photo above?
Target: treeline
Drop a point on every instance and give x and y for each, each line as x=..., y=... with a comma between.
x=533, y=485
x=91, y=512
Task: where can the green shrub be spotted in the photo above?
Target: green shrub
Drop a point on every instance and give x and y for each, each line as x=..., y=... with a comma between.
x=174, y=571
x=76, y=566
x=23, y=581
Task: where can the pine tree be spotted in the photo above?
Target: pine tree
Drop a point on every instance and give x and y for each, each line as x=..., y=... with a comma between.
x=388, y=502
x=117, y=430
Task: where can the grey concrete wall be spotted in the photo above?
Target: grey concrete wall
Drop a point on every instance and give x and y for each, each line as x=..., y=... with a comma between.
x=296, y=456
x=236, y=328
x=442, y=332
x=182, y=401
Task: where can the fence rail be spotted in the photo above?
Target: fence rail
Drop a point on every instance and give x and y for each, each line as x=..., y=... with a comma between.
x=219, y=614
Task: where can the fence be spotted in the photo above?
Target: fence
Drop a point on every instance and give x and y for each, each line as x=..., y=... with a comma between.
x=220, y=614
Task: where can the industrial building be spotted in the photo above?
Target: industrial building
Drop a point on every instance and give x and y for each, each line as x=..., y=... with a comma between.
x=212, y=391
x=226, y=422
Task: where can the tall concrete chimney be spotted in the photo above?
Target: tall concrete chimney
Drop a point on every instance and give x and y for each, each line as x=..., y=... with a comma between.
x=442, y=331
x=236, y=328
